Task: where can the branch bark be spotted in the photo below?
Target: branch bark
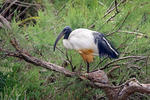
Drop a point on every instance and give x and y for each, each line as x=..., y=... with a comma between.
x=4, y=23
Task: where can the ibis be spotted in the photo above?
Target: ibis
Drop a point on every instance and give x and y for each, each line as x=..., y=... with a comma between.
x=87, y=43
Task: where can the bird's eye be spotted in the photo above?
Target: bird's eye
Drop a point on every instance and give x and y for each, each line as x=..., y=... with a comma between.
x=65, y=30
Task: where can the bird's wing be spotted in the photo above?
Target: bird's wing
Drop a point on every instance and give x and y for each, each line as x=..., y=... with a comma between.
x=104, y=46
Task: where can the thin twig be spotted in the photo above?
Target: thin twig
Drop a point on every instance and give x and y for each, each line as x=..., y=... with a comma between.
x=22, y=12
x=136, y=33
x=147, y=64
x=111, y=5
x=111, y=17
x=110, y=71
x=60, y=9
x=70, y=62
x=4, y=11
x=114, y=14
x=94, y=67
x=25, y=3
x=123, y=58
x=12, y=13
x=120, y=25
x=116, y=6
x=108, y=12
x=60, y=51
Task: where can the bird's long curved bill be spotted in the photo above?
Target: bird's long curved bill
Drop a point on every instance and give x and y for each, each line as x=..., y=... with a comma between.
x=58, y=38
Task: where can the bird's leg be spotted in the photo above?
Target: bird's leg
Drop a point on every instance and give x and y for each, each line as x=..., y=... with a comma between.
x=88, y=65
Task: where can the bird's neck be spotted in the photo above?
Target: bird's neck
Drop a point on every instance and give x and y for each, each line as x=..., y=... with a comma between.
x=66, y=36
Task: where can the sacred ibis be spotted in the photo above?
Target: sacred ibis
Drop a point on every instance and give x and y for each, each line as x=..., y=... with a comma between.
x=87, y=43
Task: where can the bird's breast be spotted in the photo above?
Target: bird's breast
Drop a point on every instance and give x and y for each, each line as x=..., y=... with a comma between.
x=67, y=44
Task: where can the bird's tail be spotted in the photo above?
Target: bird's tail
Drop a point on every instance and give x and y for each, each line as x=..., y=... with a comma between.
x=113, y=53
x=110, y=52
x=106, y=48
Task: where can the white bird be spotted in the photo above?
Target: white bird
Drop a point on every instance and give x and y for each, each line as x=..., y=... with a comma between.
x=88, y=43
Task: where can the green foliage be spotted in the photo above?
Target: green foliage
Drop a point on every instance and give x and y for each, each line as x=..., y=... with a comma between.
x=20, y=80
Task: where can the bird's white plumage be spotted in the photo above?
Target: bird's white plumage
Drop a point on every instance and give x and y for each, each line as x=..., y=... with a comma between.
x=81, y=39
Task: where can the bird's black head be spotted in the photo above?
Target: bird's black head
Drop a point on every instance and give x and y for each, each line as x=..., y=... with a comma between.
x=65, y=32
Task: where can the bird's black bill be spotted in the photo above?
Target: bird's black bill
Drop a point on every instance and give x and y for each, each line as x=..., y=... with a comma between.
x=58, y=38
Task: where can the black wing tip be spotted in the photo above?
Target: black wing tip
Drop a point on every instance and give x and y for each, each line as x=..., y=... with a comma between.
x=114, y=55
x=110, y=54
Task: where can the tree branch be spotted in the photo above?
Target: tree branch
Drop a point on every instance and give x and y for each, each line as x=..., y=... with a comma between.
x=123, y=58
x=4, y=23
x=23, y=54
x=132, y=87
x=136, y=33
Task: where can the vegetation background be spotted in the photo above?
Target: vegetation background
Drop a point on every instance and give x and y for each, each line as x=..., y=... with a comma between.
x=128, y=27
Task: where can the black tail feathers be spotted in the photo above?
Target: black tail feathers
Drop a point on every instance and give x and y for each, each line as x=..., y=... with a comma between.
x=105, y=47
x=113, y=53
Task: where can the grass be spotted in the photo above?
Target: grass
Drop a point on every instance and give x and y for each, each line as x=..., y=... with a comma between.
x=22, y=81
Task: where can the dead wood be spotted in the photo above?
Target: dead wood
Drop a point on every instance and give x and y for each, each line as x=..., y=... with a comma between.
x=4, y=23
x=19, y=9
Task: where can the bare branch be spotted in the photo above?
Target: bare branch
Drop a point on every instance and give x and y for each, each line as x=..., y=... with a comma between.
x=136, y=33
x=111, y=17
x=4, y=22
x=111, y=5
x=117, y=11
x=27, y=57
x=115, y=7
x=12, y=2
x=131, y=87
x=110, y=71
x=70, y=62
x=120, y=25
x=123, y=58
